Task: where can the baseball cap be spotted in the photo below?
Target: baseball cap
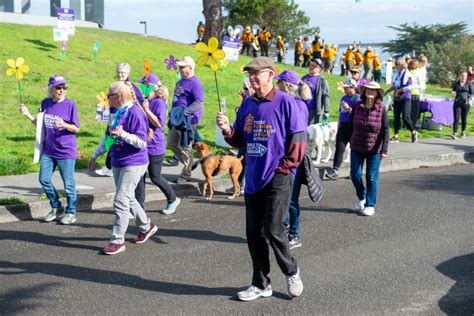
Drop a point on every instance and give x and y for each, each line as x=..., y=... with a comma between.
x=152, y=78
x=260, y=63
x=186, y=61
x=316, y=62
x=355, y=69
x=289, y=76
x=56, y=80
x=350, y=83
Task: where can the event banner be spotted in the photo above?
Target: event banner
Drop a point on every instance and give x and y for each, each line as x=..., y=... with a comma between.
x=66, y=20
x=231, y=47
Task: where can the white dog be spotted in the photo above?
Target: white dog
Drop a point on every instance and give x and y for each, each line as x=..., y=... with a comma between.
x=318, y=135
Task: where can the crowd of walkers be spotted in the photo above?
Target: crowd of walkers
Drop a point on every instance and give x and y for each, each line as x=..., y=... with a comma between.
x=273, y=142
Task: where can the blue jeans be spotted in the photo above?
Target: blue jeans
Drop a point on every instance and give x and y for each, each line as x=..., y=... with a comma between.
x=66, y=169
x=371, y=176
x=293, y=217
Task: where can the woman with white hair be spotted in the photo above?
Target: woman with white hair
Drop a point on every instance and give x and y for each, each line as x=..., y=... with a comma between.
x=60, y=125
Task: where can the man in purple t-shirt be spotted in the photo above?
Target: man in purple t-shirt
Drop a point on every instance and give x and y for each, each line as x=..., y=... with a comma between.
x=268, y=125
x=186, y=112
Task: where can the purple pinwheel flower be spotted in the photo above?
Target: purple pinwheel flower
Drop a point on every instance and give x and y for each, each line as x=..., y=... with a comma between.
x=171, y=63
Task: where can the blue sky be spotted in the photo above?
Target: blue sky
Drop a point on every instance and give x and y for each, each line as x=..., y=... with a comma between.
x=341, y=21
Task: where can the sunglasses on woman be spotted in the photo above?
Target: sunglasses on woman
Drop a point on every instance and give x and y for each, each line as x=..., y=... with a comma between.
x=61, y=88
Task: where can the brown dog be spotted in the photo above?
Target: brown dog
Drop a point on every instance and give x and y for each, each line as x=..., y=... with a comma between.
x=212, y=165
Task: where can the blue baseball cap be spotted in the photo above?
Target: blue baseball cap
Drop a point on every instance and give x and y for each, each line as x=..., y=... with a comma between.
x=152, y=78
x=289, y=76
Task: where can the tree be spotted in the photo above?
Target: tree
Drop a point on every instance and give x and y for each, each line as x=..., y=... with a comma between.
x=281, y=17
x=212, y=10
x=416, y=37
x=449, y=58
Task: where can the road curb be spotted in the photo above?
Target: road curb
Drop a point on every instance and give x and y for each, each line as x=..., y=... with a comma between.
x=39, y=209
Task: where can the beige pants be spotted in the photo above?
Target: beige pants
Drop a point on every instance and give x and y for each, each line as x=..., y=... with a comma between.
x=184, y=154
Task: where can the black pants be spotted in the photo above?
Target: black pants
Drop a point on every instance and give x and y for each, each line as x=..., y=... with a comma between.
x=460, y=110
x=265, y=212
x=403, y=108
x=246, y=47
x=415, y=109
x=154, y=172
x=343, y=137
x=263, y=48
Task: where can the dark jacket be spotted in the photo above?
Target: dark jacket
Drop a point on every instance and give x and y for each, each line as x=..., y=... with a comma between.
x=312, y=180
x=369, y=129
x=321, y=97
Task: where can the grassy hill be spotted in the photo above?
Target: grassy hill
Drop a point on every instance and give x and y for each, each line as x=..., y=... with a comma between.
x=87, y=77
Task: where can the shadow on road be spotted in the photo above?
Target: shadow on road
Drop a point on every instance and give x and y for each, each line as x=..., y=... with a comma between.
x=450, y=183
x=460, y=298
x=111, y=277
x=14, y=302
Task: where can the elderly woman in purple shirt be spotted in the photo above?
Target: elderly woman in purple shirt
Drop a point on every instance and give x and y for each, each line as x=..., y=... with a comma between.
x=60, y=125
x=369, y=143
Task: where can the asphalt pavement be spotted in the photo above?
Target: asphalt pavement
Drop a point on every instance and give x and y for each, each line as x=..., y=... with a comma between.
x=414, y=256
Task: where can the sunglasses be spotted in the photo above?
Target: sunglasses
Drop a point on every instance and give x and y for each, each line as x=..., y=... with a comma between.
x=111, y=94
x=61, y=88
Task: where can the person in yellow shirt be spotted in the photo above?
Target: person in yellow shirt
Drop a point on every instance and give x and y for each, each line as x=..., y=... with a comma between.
x=317, y=47
x=263, y=39
x=332, y=57
x=307, y=52
x=349, y=59
x=200, y=31
x=358, y=57
x=377, y=71
x=247, y=40
x=368, y=63
x=298, y=52
x=280, y=46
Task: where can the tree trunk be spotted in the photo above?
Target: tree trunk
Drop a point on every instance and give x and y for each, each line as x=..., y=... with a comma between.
x=212, y=10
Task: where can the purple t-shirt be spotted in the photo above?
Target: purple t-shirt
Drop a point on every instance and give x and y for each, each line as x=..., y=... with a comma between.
x=124, y=154
x=312, y=82
x=59, y=143
x=265, y=126
x=188, y=91
x=157, y=145
x=345, y=116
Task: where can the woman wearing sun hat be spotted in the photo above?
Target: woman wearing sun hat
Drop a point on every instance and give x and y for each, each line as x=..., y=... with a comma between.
x=60, y=125
x=369, y=145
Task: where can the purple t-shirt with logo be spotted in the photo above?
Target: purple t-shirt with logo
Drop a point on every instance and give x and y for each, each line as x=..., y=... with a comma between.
x=345, y=116
x=124, y=154
x=312, y=82
x=265, y=126
x=188, y=91
x=157, y=145
x=59, y=143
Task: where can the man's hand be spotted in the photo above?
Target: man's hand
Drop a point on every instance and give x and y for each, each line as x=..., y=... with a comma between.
x=91, y=164
x=223, y=122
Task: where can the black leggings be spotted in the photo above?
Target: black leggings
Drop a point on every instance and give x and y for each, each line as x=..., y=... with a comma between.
x=343, y=136
x=460, y=110
x=403, y=108
x=415, y=109
x=154, y=172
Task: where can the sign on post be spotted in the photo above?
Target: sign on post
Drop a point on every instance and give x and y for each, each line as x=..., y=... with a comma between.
x=66, y=20
x=231, y=47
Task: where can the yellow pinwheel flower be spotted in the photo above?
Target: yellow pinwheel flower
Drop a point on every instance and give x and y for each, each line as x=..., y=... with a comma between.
x=210, y=53
x=103, y=100
x=17, y=68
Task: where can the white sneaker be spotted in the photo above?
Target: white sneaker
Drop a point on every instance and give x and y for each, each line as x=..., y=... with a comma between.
x=295, y=285
x=253, y=292
x=359, y=206
x=368, y=211
x=104, y=171
x=171, y=208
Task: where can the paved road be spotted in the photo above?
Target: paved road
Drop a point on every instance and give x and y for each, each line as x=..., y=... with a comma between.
x=415, y=256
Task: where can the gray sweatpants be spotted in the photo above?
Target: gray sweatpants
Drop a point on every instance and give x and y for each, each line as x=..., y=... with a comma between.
x=126, y=180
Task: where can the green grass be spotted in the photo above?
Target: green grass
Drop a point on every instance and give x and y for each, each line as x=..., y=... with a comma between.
x=87, y=77
x=11, y=201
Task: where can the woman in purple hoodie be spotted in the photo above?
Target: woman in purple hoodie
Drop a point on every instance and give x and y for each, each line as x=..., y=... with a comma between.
x=369, y=143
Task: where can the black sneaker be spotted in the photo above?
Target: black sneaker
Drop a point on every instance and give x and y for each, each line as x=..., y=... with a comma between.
x=414, y=137
x=173, y=161
x=394, y=140
x=294, y=242
x=332, y=174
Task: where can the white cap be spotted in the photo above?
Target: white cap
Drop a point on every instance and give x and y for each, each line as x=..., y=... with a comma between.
x=186, y=61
